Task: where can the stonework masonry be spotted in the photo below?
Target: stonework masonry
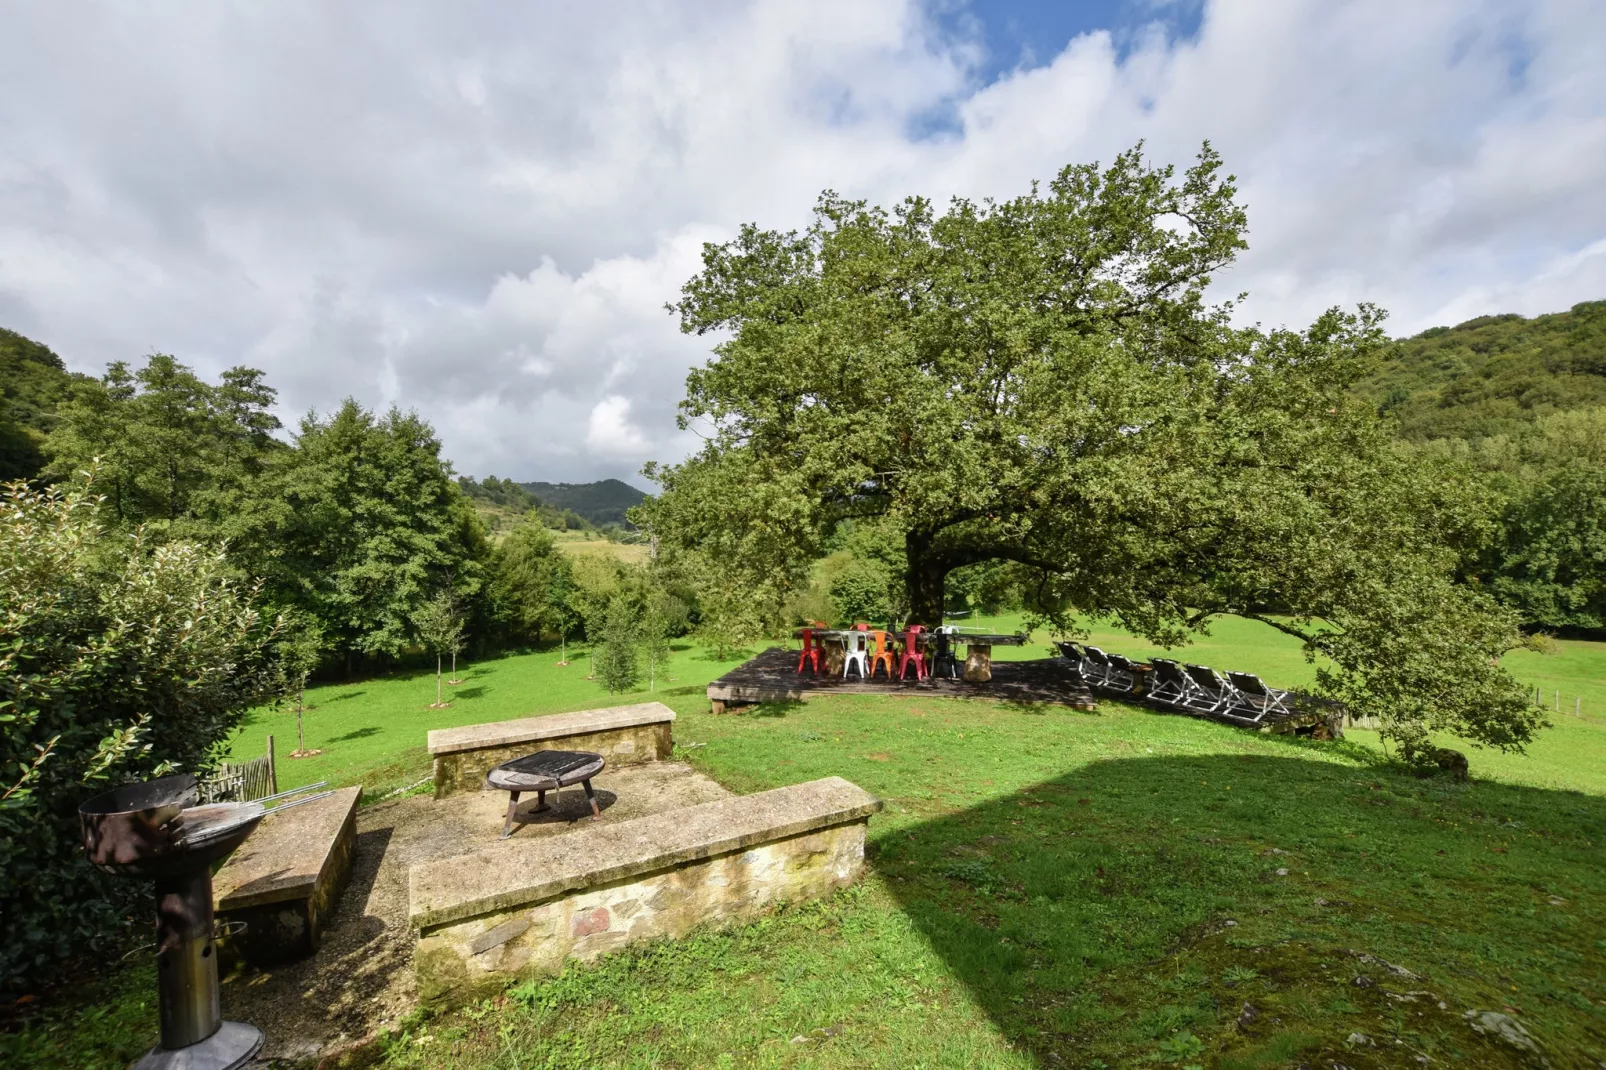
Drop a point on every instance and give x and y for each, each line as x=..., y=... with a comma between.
x=492, y=916
x=621, y=734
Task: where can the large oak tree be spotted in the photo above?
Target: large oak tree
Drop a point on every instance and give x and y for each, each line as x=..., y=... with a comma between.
x=1042, y=381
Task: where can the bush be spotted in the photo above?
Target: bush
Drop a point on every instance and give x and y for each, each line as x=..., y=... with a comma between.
x=118, y=662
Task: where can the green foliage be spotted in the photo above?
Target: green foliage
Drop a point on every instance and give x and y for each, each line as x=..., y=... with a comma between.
x=359, y=525
x=1039, y=381
x=1549, y=559
x=1493, y=375
x=119, y=659
x=615, y=660
x=33, y=384
x=532, y=587
x=168, y=446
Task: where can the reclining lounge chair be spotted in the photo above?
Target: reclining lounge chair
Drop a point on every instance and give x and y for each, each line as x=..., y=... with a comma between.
x=1260, y=697
x=1169, y=685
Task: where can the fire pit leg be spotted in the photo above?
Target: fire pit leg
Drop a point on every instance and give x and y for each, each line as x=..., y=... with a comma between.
x=591, y=797
x=193, y=1032
x=512, y=805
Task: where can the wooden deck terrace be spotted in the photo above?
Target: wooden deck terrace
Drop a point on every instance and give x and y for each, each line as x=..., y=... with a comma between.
x=773, y=677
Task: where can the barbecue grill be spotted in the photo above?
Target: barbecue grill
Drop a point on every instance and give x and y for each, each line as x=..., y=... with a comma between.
x=156, y=830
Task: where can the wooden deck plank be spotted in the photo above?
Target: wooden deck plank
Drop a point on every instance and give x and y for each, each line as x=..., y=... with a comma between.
x=773, y=677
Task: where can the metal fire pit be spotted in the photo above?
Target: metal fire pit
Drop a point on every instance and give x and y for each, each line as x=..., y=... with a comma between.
x=156, y=831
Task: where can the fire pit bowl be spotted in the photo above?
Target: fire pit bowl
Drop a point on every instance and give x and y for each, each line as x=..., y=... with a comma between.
x=154, y=830
x=155, y=827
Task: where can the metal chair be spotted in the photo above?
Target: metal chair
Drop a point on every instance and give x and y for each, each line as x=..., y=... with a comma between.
x=944, y=661
x=856, y=652
x=881, y=652
x=810, y=652
x=912, y=654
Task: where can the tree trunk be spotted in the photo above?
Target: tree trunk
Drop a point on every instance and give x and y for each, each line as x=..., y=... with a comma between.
x=437, y=680
x=928, y=572
x=301, y=741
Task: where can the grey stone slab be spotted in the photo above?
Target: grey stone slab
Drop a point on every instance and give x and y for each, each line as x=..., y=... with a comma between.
x=286, y=855
x=552, y=726
x=513, y=874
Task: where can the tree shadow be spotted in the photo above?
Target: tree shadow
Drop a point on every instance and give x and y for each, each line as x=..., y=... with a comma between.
x=468, y=692
x=779, y=708
x=358, y=733
x=1128, y=911
x=343, y=696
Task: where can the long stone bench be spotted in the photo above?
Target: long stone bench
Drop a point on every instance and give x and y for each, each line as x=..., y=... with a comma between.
x=524, y=908
x=284, y=881
x=621, y=734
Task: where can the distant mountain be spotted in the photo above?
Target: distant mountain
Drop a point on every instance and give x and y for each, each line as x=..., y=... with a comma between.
x=1494, y=374
x=604, y=502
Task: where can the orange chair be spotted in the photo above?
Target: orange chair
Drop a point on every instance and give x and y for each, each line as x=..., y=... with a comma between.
x=880, y=652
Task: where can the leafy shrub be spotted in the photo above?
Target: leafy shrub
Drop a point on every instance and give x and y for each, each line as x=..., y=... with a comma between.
x=118, y=662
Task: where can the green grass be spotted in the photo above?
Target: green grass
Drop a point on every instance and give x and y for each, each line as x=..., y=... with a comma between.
x=373, y=732
x=1048, y=888
x=1054, y=888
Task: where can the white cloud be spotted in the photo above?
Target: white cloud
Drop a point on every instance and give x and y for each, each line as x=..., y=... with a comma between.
x=479, y=210
x=610, y=431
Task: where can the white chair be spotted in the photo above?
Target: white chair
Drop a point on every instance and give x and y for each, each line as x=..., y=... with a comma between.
x=858, y=653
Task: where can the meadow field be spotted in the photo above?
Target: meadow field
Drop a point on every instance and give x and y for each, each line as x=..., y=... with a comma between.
x=1046, y=887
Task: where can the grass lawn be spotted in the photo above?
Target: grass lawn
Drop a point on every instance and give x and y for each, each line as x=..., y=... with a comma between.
x=1050, y=888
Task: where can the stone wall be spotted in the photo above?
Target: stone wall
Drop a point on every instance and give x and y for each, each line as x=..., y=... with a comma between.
x=465, y=770
x=622, y=734
x=715, y=863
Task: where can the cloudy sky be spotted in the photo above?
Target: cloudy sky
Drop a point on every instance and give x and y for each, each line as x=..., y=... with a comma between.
x=478, y=209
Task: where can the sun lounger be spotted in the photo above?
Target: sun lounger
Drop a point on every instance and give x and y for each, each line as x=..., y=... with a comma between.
x=1260, y=697
x=1169, y=685
x=1212, y=692
x=1098, y=670
x=1073, y=653
x=1122, y=675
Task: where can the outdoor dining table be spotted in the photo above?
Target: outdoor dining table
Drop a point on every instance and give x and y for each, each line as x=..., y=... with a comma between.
x=978, y=649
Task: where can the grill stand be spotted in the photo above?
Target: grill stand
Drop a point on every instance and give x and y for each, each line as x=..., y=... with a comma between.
x=194, y=1035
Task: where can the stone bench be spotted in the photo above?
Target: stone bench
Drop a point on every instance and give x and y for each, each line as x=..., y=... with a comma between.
x=621, y=734
x=284, y=881
x=525, y=908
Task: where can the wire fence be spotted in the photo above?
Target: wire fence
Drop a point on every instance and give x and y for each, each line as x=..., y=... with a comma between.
x=1555, y=703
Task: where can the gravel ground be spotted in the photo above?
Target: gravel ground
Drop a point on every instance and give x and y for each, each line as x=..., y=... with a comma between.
x=361, y=980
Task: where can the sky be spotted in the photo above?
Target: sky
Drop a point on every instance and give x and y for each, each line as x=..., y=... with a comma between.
x=478, y=210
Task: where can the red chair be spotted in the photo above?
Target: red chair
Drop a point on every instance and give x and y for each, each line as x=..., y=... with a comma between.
x=880, y=652
x=911, y=652
x=811, y=651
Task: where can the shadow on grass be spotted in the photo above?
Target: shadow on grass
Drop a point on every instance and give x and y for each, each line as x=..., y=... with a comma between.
x=778, y=708
x=357, y=733
x=1129, y=911
x=343, y=696
x=468, y=692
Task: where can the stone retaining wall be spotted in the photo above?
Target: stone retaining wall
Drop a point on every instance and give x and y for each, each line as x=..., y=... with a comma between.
x=523, y=909
x=621, y=734
x=284, y=881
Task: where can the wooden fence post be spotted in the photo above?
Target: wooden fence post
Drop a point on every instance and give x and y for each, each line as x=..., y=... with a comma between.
x=273, y=771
